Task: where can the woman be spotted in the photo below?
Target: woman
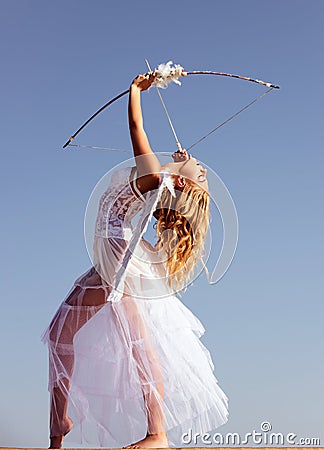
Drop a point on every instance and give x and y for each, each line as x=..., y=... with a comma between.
x=124, y=353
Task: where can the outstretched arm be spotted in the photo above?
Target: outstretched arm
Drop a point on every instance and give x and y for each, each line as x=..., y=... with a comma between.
x=148, y=165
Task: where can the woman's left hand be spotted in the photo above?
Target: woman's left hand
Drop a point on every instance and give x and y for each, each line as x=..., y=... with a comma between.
x=144, y=82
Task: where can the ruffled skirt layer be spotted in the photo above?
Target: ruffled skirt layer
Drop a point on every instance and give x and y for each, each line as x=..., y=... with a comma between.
x=131, y=366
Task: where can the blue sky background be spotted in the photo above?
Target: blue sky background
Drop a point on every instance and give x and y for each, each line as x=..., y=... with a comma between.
x=61, y=61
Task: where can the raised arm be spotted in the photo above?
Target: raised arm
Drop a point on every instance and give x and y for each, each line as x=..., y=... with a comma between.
x=148, y=165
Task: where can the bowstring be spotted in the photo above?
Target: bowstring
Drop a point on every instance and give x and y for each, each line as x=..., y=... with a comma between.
x=230, y=118
x=100, y=148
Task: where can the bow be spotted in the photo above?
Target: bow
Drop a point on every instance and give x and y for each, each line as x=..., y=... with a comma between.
x=240, y=77
x=165, y=74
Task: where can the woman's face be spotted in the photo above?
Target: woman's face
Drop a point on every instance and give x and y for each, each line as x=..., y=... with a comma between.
x=189, y=168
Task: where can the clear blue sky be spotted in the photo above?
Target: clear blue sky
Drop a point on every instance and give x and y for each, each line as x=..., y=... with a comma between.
x=60, y=61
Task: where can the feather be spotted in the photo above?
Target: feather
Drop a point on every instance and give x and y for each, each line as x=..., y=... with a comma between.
x=167, y=73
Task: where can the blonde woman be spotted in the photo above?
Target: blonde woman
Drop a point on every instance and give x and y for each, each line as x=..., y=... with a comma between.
x=126, y=363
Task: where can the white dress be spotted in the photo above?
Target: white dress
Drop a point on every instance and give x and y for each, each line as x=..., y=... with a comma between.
x=136, y=355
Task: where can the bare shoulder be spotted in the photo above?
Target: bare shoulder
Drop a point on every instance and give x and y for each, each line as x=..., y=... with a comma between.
x=148, y=182
x=145, y=183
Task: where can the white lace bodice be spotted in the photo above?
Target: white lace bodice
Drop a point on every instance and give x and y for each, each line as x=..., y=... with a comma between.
x=117, y=207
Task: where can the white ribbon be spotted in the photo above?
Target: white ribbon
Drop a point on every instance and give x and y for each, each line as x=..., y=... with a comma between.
x=168, y=182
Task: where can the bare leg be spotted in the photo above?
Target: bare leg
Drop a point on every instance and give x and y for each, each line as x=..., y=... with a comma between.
x=156, y=436
x=148, y=367
x=60, y=423
x=61, y=336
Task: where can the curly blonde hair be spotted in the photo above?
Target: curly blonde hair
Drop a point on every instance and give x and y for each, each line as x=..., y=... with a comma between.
x=182, y=225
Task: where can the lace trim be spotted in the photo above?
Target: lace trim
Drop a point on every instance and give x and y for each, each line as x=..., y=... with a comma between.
x=117, y=206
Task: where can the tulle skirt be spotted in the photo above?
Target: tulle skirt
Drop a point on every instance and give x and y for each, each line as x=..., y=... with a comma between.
x=121, y=369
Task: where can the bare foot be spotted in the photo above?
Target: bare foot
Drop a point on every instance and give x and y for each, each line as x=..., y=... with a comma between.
x=151, y=441
x=56, y=441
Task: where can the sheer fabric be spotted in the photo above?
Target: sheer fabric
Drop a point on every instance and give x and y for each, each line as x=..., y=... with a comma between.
x=124, y=352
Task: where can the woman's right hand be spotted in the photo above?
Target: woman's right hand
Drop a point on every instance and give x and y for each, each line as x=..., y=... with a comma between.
x=180, y=156
x=144, y=82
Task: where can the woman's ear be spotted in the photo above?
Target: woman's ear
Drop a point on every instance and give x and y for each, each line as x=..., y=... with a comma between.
x=180, y=182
